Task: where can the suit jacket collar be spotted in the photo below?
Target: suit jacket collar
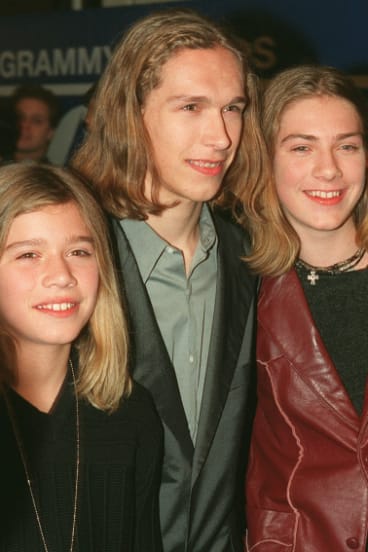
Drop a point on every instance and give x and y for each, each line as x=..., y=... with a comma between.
x=284, y=315
x=234, y=295
x=151, y=363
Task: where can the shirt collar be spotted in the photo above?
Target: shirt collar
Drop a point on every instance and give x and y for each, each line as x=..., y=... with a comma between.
x=148, y=246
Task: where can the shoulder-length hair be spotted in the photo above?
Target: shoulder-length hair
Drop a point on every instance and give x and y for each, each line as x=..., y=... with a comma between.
x=102, y=345
x=276, y=245
x=117, y=152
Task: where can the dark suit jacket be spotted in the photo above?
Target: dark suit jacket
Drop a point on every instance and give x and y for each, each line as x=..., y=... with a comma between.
x=198, y=497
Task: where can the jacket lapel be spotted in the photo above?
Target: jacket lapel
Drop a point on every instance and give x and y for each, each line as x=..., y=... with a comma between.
x=284, y=313
x=235, y=291
x=151, y=364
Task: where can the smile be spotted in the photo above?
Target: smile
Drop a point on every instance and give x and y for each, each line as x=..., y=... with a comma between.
x=57, y=307
x=323, y=194
x=205, y=164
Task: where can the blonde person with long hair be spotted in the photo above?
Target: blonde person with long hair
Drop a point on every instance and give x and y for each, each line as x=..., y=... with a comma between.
x=81, y=444
x=307, y=484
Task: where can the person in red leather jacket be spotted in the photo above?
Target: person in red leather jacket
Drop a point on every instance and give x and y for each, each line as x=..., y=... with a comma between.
x=307, y=481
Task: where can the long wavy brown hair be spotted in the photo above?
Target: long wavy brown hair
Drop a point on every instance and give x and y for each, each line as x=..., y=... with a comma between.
x=117, y=152
x=276, y=245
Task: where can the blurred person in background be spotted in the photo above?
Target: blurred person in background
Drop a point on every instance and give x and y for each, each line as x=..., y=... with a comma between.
x=71, y=130
x=38, y=111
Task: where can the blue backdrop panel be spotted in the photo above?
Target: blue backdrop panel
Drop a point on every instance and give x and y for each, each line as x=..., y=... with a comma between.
x=66, y=51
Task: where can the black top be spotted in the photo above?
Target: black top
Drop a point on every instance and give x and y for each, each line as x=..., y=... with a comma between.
x=339, y=307
x=120, y=459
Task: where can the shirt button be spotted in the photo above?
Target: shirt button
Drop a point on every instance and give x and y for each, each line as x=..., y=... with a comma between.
x=170, y=249
x=352, y=542
x=191, y=359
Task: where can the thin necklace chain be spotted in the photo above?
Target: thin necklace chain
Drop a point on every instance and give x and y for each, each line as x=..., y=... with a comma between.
x=27, y=473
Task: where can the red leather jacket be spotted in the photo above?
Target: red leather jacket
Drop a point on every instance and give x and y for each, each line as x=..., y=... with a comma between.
x=307, y=487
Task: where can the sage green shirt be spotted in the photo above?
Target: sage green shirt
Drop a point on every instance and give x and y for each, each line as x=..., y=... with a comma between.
x=183, y=305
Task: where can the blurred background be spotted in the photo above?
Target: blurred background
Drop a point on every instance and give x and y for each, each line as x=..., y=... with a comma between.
x=63, y=45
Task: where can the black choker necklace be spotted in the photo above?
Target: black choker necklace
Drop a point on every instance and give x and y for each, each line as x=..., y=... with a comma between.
x=343, y=266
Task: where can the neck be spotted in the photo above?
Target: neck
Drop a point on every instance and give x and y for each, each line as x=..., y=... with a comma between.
x=39, y=377
x=29, y=155
x=327, y=248
x=179, y=226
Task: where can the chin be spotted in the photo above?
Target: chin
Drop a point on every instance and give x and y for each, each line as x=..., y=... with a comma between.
x=208, y=195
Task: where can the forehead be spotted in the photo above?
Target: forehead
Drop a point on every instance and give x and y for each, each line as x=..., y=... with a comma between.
x=32, y=106
x=189, y=66
x=62, y=216
x=320, y=112
x=319, y=115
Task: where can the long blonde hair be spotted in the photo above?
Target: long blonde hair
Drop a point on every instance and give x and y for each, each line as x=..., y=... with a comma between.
x=103, y=377
x=276, y=245
x=117, y=152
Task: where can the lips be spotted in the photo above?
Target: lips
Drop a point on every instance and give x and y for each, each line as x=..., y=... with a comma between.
x=325, y=198
x=209, y=168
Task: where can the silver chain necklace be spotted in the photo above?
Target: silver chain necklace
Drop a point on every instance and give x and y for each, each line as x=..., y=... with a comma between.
x=22, y=454
x=343, y=266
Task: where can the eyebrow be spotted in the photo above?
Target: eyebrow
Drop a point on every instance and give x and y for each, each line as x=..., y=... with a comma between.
x=312, y=138
x=39, y=241
x=204, y=99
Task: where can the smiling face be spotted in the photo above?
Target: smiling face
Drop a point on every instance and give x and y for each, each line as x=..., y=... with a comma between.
x=320, y=165
x=194, y=120
x=48, y=277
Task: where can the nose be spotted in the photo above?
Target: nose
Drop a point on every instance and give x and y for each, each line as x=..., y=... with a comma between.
x=327, y=166
x=216, y=132
x=58, y=273
x=23, y=126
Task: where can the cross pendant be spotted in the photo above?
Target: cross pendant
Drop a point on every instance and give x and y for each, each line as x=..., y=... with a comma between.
x=312, y=277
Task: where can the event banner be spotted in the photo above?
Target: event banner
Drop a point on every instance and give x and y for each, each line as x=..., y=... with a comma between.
x=67, y=51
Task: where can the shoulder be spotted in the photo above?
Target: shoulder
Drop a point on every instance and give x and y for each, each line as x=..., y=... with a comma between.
x=233, y=248
x=140, y=398
x=229, y=231
x=276, y=286
x=139, y=407
x=134, y=421
x=118, y=240
x=115, y=227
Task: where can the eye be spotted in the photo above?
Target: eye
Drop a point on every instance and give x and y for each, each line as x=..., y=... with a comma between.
x=27, y=255
x=349, y=147
x=80, y=253
x=235, y=108
x=300, y=149
x=38, y=121
x=190, y=107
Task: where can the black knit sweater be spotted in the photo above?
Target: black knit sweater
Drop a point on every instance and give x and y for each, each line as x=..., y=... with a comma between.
x=119, y=479
x=339, y=306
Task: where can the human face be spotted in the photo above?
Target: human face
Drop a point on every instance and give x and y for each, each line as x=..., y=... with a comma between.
x=320, y=165
x=48, y=277
x=194, y=119
x=35, y=130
